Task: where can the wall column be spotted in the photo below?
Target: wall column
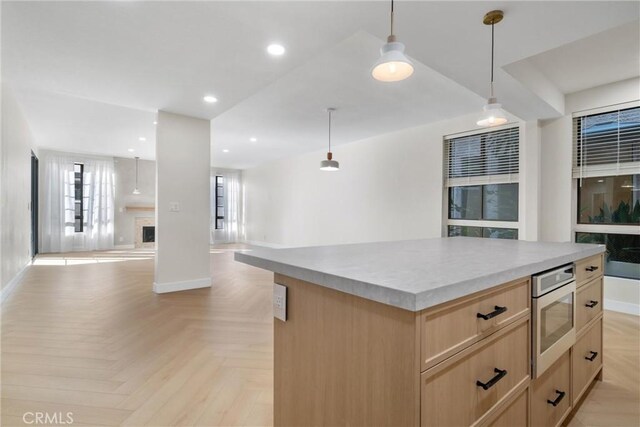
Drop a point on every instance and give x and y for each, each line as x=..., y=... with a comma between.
x=529, y=192
x=182, y=203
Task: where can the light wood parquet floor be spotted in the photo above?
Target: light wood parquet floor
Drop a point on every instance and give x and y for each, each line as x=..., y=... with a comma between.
x=84, y=333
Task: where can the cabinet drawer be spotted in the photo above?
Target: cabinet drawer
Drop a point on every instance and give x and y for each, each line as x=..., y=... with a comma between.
x=588, y=303
x=588, y=268
x=587, y=359
x=515, y=415
x=553, y=386
x=448, y=329
x=453, y=393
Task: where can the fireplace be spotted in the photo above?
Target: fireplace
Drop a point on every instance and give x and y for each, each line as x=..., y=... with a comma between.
x=148, y=234
x=145, y=233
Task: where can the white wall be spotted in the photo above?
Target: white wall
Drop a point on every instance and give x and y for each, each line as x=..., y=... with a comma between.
x=125, y=177
x=558, y=201
x=388, y=188
x=15, y=231
x=182, y=176
x=556, y=183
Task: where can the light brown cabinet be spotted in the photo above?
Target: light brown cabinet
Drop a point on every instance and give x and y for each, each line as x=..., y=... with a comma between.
x=466, y=389
x=516, y=413
x=345, y=360
x=586, y=358
x=588, y=268
x=451, y=328
x=551, y=394
x=588, y=303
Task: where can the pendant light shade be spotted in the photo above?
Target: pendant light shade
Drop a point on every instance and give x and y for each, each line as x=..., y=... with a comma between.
x=493, y=114
x=329, y=165
x=136, y=191
x=393, y=64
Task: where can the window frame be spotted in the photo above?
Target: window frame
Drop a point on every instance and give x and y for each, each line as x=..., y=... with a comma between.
x=219, y=203
x=577, y=227
x=481, y=181
x=77, y=200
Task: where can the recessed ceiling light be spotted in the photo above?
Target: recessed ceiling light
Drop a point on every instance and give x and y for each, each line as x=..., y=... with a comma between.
x=225, y=151
x=275, y=49
x=131, y=150
x=142, y=138
x=210, y=99
x=253, y=139
x=155, y=123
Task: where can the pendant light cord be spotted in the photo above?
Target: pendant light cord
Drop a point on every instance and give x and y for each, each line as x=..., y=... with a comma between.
x=492, y=49
x=329, y=130
x=392, y=17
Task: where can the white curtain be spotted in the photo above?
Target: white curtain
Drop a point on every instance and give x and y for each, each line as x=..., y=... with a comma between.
x=233, y=224
x=99, y=214
x=58, y=208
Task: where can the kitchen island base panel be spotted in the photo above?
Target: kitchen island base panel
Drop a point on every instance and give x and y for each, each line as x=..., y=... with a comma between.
x=344, y=360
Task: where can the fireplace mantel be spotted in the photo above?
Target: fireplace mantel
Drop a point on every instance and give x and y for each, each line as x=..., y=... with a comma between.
x=140, y=208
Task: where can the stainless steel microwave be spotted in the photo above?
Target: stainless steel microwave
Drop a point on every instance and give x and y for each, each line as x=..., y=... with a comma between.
x=554, y=316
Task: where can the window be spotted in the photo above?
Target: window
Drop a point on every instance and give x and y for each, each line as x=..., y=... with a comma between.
x=219, y=202
x=482, y=180
x=78, y=199
x=493, y=202
x=605, y=165
x=623, y=252
x=609, y=200
x=489, y=232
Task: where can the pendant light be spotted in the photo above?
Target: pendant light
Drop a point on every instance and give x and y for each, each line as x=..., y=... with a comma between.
x=493, y=114
x=393, y=64
x=135, y=190
x=329, y=164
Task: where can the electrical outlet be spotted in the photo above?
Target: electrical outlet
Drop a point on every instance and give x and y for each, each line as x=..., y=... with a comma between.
x=174, y=207
x=280, y=302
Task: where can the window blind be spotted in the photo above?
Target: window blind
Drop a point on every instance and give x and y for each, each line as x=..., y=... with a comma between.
x=489, y=157
x=607, y=144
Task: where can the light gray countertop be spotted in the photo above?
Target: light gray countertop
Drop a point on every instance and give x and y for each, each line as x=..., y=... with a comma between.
x=417, y=274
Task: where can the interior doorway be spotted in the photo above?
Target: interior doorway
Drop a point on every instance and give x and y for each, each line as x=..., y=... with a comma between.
x=34, y=205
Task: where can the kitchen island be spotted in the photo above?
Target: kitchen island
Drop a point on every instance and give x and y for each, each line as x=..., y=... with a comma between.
x=421, y=332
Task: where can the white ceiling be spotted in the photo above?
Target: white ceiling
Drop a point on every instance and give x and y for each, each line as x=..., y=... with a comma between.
x=289, y=116
x=606, y=57
x=78, y=125
x=90, y=75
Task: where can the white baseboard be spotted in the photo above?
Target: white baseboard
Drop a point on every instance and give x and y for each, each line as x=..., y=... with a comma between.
x=162, y=288
x=622, y=307
x=13, y=283
x=124, y=246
